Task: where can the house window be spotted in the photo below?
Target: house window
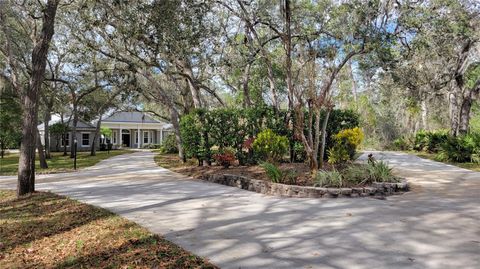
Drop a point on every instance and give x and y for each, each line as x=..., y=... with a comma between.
x=114, y=137
x=66, y=138
x=145, y=137
x=136, y=137
x=85, y=139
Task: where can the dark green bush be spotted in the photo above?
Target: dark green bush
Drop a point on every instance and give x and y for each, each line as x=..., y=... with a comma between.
x=229, y=127
x=430, y=140
x=401, y=144
x=169, y=145
x=465, y=148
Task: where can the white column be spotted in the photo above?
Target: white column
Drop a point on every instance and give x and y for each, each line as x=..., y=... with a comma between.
x=139, y=136
x=161, y=136
x=119, y=141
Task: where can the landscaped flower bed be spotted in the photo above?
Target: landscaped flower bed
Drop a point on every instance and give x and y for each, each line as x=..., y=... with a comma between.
x=255, y=149
x=254, y=178
x=284, y=190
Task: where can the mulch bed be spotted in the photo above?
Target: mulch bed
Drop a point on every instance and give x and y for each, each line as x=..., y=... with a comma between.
x=172, y=162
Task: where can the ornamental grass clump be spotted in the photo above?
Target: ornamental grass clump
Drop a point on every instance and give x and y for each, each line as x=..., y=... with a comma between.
x=273, y=172
x=333, y=179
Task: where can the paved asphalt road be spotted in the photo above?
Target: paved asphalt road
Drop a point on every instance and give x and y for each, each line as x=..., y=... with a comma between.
x=436, y=225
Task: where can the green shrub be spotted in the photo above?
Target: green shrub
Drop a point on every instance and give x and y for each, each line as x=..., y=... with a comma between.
x=273, y=172
x=430, y=141
x=401, y=144
x=357, y=174
x=169, y=145
x=346, y=143
x=299, y=151
x=461, y=149
x=380, y=172
x=338, y=155
x=270, y=146
x=333, y=179
x=289, y=177
x=191, y=132
x=201, y=129
x=152, y=146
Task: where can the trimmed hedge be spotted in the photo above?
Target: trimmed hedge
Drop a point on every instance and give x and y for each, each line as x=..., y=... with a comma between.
x=203, y=130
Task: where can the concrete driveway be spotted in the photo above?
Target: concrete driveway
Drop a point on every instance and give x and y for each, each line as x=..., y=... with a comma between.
x=437, y=225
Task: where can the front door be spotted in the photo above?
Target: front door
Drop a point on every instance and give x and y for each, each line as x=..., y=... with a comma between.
x=126, y=140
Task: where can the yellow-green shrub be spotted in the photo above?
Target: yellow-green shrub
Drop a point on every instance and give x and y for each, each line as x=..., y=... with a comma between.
x=270, y=146
x=353, y=136
x=346, y=143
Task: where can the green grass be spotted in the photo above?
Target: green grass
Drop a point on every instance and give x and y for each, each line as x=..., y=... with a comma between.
x=45, y=230
x=58, y=162
x=431, y=156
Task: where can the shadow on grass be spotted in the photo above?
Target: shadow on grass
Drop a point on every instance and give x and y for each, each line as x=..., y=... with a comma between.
x=149, y=251
x=40, y=215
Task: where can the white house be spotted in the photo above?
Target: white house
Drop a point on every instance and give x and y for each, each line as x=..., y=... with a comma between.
x=129, y=130
x=128, y=127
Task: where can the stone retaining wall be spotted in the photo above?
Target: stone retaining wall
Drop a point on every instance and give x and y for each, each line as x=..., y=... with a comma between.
x=277, y=189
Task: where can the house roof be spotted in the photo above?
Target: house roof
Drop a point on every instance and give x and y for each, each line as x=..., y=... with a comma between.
x=131, y=116
x=81, y=124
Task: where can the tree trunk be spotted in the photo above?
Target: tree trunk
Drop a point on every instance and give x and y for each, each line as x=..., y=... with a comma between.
x=324, y=137
x=194, y=88
x=424, y=110
x=454, y=113
x=176, y=128
x=41, y=152
x=287, y=40
x=464, y=115
x=354, y=86
x=314, y=161
x=93, y=149
x=245, y=80
x=46, y=133
x=26, y=162
x=73, y=133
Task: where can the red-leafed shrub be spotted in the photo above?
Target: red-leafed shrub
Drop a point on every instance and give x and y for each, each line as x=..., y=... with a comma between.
x=247, y=144
x=225, y=158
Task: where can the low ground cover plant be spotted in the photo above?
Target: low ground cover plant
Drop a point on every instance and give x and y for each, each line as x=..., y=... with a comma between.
x=355, y=175
x=276, y=175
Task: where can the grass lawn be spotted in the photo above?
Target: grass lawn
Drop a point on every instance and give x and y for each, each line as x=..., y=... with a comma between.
x=46, y=230
x=58, y=163
x=431, y=156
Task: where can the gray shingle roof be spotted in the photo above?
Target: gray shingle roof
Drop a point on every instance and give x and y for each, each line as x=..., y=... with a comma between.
x=81, y=124
x=133, y=116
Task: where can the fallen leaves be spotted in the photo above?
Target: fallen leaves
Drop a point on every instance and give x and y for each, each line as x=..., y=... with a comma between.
x=47, y=230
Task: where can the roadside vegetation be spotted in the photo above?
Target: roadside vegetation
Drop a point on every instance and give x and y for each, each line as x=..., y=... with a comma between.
x=58, y=163
x=45, y=230
x=461, y=150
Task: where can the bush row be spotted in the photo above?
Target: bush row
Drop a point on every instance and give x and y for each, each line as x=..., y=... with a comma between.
x=462, y=148
x=205, y=130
